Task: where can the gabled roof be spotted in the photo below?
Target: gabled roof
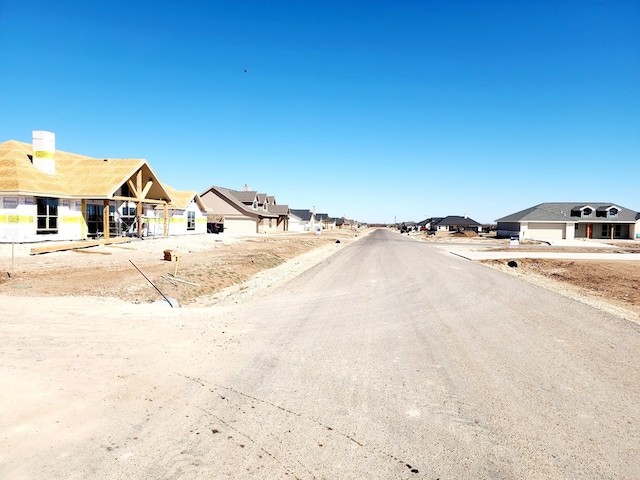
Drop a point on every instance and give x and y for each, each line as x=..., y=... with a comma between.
x=561, y=212
x=454, y=220
x=76, y=176
x=182, y=198
x=301, y=214
x=233, y=197
x=245, y=196
x=278, y=209
x=432, y=220
x=606, y=207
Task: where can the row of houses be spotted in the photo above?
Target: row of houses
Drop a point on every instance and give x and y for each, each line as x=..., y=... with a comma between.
x=248, y=211
x=47, y=194
x=553, y=221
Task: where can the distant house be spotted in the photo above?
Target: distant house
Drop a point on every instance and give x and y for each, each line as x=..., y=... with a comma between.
x=300, y=220
x=324, y=221
x=344, y=223
x=454, y=223
x=244, y=211
x=187, y=214
x=47, y=194
x=429, y=223
x=556, y=221
x=282, y=211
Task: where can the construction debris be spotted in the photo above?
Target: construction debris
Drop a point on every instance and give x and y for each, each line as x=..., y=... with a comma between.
x=170, y=255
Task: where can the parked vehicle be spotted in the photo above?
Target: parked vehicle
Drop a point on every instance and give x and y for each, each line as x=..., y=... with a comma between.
x=215, y=227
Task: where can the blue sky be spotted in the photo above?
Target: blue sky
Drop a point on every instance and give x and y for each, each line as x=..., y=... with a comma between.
x=377, y=111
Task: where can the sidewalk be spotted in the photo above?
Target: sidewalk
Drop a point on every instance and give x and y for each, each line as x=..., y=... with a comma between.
x=511, y=254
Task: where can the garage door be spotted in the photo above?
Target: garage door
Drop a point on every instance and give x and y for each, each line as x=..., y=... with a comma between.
x=546, y=231
x=239, y=225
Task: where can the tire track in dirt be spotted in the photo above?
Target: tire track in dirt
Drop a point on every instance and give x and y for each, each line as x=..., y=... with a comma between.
x=237, y=401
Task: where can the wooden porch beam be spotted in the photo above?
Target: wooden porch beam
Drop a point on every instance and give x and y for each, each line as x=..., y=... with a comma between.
x=105, y=219
x=146, y=189
x=166, y=220
x=135, y=199
x=132, y=187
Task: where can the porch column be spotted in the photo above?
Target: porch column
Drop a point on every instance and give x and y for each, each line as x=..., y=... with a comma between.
x=139, y=217
x=139, y=194
x=166, y=219
x=105, y=219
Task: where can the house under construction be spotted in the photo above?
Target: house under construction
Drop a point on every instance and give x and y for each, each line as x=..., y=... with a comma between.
x=53, y=195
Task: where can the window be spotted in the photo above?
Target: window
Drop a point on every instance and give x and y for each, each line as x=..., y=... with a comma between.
x=47, y=209
x=191, y=220
x=255, y=205
x=613, y=212
x=586, y=212
x=605, y=230
x=10, y=202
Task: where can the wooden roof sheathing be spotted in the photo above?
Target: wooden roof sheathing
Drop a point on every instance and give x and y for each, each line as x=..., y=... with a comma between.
x=18, y=175
x=182, y=198
x=76, y=176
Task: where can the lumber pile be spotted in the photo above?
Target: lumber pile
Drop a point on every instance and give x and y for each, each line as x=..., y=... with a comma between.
x=76, y=245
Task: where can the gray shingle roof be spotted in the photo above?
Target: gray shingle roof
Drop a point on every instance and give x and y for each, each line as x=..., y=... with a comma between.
x=561, y=212
x=301, y=214
x=278, y=209
x=454, y=220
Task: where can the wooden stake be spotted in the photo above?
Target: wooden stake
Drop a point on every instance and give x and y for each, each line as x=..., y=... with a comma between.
x=184, y=281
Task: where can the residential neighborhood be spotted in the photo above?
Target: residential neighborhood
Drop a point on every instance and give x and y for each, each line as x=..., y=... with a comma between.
x=47, y=194
x=52, y=195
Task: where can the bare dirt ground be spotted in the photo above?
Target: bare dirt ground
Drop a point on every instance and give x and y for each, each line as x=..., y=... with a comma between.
x=615, y=284
x=210, y=263
x=72, y=382
x=612, y=285
x=216, y=263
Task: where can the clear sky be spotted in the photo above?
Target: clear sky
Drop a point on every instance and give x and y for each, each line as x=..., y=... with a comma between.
x=375, y=110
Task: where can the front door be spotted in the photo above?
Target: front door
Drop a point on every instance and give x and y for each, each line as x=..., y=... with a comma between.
x=94, y=220
x=589, y=230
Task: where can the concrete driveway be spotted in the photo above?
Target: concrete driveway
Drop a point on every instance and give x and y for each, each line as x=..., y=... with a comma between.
x=515, y=253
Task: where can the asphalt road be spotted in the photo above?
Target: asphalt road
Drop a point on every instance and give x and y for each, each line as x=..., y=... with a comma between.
x=391, y=359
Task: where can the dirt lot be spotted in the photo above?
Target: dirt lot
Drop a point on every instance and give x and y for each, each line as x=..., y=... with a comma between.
x=215, y=262
x=600, y=283
x=210, y=263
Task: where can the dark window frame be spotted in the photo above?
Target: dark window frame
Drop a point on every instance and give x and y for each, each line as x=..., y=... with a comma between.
x=47, y=215
x=191, y=220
